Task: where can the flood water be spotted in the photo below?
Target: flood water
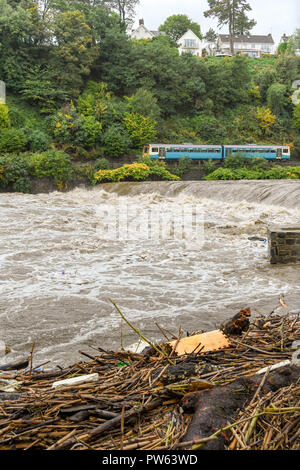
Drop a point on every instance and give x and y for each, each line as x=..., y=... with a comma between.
x=57, y=271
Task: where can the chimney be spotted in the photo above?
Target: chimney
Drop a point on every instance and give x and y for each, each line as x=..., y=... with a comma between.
x=141, y=22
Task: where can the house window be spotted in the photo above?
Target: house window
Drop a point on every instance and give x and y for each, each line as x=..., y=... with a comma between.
x=190, y=43
x=252, y=46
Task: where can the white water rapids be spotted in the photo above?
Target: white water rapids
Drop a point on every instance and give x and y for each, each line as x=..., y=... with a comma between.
x=57, y=273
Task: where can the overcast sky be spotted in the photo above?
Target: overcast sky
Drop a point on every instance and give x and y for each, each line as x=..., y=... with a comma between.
x=272, y=16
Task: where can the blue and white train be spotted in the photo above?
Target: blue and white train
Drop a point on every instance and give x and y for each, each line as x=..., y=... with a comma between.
x=216, y=152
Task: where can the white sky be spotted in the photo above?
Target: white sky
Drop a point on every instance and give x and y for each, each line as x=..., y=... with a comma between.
x=272, y=16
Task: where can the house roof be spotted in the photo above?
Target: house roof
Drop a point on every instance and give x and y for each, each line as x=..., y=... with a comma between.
x=157, y=33
x=190, y=33
x=253, y=39
x=142, y=28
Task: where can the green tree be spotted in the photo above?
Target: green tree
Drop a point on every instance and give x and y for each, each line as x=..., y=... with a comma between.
x=40, y=87
x=143, y=102
x=293, y=43
x=276, y=98
x=74, y=54
x=296, y=117
x=231, y=13
x=176, y=25
x=141, y=129
x=282, y=48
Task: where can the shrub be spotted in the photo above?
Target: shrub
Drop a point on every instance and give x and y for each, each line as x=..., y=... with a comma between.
x=158, y=168
x=141, y=129
x=222, y=174
x=116, y=141
x=38, y=141
x=54, y=164
x=209, y=166
x=70, y=127
x=14, y=173
x=184, y=165
x=134, y=172
x=277, y=172
x=12, y=140
x=235, y=161
x=101, y=164
x=4, y=116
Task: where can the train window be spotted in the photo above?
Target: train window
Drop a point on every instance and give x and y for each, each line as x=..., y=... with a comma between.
x=204, y=150
x=285, y=150
x=217, y=150
x=154, y=150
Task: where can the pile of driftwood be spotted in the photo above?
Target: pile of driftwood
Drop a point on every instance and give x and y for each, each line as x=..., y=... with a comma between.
x=224, y=399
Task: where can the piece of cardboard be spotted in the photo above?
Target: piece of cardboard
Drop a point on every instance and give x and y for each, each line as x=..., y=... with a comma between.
x=211, y=341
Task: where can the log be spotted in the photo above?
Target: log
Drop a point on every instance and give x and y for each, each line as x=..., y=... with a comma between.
x=214, y=408
x=15, y=365
x=105, y=427
x=237, y=324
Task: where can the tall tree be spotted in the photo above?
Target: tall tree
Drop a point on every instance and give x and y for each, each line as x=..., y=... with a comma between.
x=231, y=13
x=176, y=25
x=125, y=8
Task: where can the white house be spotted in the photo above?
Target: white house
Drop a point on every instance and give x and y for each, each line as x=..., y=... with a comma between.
x=254, y=46
x=190, y=42
x=141, y=32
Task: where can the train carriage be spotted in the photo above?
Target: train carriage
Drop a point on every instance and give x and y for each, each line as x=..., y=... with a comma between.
x=175, y=152
x=269, y=152
x=216, y=152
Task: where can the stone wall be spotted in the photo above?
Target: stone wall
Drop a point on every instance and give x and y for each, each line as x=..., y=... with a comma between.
x=284, y=244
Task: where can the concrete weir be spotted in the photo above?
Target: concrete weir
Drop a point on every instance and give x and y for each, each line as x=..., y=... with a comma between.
x=284, y=244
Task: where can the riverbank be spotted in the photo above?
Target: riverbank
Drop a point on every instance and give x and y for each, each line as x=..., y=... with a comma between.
x=220, y=399
x=56, y=171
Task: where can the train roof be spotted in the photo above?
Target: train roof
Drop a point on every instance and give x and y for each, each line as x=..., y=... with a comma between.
x=254, y=146
x=185, y=145
x=218, y=146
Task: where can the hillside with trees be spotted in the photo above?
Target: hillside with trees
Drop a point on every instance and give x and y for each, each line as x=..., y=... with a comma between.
x=80, y=90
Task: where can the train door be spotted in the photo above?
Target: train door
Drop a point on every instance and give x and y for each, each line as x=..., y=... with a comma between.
x=162, y=153
x=279, y=154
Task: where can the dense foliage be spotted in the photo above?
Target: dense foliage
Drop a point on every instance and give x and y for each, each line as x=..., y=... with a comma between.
x=77, y=84
x=137, y=171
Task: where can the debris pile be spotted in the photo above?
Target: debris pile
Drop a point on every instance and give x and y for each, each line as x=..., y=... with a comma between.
x=166, y=398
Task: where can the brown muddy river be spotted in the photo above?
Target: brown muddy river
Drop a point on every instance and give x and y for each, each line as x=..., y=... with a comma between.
x=57, y=270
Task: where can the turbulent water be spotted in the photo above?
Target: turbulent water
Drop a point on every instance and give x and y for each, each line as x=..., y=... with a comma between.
x=57, y=271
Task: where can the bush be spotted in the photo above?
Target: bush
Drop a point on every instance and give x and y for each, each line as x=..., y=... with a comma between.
x=4, y=116
x=116, y=141
x=277, y=172
x=38, y=141
x=73, y=129
x=222, y=174
x=12, y=140
x=101, y=164
x=14, y=173
x=184, y=165
x=235, y=161
x=141, y=129
x=54, y=164
x=134, y=172
x=209, y=166
x=158, y=168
